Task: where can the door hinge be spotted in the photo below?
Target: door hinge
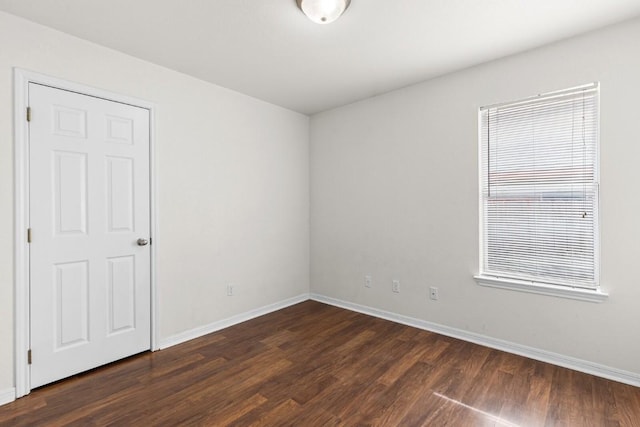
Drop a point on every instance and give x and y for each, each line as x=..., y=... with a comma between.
x=28, y=114
x=28, y=235
x=151, y=240
x=29, y=356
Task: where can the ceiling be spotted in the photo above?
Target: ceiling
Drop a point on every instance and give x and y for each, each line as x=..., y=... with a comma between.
x=268, y=49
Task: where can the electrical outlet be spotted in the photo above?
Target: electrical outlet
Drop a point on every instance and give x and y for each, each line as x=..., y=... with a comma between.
x=367, y=281
x=433, y=293
x=395, y=286
x=230, y=289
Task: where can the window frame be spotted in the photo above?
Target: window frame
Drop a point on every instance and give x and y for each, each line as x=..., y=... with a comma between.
x=559, y=289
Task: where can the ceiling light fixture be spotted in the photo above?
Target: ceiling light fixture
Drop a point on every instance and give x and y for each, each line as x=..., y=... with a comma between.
x=323, y=11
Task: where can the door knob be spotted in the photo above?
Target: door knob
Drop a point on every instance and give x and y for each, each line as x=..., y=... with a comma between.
x=142, y=242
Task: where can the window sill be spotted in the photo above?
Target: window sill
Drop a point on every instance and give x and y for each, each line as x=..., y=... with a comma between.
x=595, y=295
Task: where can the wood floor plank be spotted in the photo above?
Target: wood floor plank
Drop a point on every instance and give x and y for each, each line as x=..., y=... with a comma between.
x=394, y=404
x=514, y=408
x=317, y=365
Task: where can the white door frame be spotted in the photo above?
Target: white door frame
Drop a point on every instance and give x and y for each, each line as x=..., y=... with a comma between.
x=22, y=78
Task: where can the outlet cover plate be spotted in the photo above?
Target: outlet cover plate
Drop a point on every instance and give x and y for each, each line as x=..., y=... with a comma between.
x=395, y=286
x=367, y=281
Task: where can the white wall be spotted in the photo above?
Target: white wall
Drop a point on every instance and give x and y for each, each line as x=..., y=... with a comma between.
x=394, y=194
x=233, y=183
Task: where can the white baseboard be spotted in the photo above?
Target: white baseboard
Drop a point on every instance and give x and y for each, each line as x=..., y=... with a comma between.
x=585, y=366
x=230, y=321
x=580, y=365
x=7, y=396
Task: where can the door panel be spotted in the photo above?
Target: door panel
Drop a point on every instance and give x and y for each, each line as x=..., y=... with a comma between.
x=89, y=204
x=70, y=192
x=122, y=297
x=71, y=312
x=120, y=187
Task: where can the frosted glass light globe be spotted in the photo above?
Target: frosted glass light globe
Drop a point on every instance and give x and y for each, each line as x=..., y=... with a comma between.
x=323, y=11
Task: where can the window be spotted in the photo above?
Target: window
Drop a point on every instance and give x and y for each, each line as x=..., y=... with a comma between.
x=539, y=191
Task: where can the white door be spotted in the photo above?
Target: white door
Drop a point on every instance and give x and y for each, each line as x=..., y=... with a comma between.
x=89, y=206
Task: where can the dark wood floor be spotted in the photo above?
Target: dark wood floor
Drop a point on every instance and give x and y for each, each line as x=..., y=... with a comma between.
x=317, y=365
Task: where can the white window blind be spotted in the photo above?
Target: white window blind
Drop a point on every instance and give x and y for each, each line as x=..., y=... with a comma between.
x=539, y=184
